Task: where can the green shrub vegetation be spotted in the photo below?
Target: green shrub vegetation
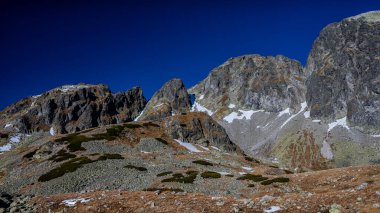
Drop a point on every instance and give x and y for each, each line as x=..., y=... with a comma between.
x=132, y=126
x=110, y=156
x=255, y=178
x=70, y=166
x=274, y=180
x=203, y=162
x=164, y=174
x=61, y=155
x=209, y=174
x=163, y=189
x=162, y=141
x=151, y=124
x=180, y=178
x=30, y=154
x=138, y=168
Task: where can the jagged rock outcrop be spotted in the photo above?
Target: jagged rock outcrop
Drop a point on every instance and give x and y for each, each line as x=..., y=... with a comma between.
x=253, y=82
x=170, y=100
x=73, y=108
x=344, y=64
x=198, y=128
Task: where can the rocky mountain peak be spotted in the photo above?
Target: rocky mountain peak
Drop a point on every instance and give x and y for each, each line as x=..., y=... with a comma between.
x=345, y=67
x=171, y=99
x=72, y=108
x=253, y=82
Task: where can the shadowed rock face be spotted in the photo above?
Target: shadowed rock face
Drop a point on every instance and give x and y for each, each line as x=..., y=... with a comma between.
x=254, y=82
x=73, y=108
x=344, y=64
x=171, y=99
x=199, y=128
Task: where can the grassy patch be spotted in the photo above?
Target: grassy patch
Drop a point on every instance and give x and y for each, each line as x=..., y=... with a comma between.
x=75, y=140
x=132, y=126
x=251, y=185
x=61, y=155
x=162, y=141
x=151, y=124
x=203, y=162
x=163, y=189
x=255, y=178
x=229, y=175
x=110, y=156
x=209, y=174
x=180, y=178
x=275, y=180
x=64, y=168
x=138, y=168
x=164, y=174
x=30, y=154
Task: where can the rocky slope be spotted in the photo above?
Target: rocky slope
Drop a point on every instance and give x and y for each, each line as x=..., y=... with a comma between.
x=319, y=117
x=253, y=82
x=344, y=63
x=171, y=99
x=72, y=108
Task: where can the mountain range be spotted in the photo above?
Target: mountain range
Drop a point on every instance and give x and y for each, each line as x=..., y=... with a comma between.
x=248, y=138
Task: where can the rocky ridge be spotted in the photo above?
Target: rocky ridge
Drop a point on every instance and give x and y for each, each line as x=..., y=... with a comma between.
x=72, y=108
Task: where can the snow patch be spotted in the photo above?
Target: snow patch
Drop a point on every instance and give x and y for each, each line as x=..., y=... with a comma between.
x=158, y=106
x=201, y=97
x=272, y=209
x=68, y=88
x=242, y=173
x=242, y=114
x=316, y=121
x=52, y=131
x=73, y=202
x=283, y=112
x=216, y=148
x=303, y=107
x=8, y=125
x=36, y=96
x=199, y=108
x=306, y=114
x=247, y=168
x=137, y=118
x=145, y=152
x=375, y=136
x=15, y=139
x=188, y=146
x=231, y=106
x=326, y=151
x=7, y=147
x=340, y=122
x=224, y=173
x=205, y=148
x=12, y=140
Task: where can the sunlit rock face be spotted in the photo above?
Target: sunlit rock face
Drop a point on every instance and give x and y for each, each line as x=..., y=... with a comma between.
x=344, y=64
x=72, y=108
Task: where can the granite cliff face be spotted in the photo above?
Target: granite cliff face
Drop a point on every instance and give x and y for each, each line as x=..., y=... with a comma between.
x=253, y=82
x=72, y=108
x=344, y=64
x=171, y=99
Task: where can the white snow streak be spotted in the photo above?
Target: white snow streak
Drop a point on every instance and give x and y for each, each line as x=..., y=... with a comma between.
x=52, y=131
x=283, y=112
x=188, y=146
x=242, y=114
x=272, y=209
x=340, y=122
x=303, y=107
x=199, y=108
x=231, y=106
x=201, y=97
x=72, y=202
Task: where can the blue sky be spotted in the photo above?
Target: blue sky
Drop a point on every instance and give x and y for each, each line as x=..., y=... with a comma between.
x=45, y=44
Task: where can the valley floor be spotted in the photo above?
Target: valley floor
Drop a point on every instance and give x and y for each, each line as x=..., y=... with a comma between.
x=351, y=189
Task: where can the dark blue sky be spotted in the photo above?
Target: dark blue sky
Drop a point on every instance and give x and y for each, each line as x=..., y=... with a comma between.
x=45, y=44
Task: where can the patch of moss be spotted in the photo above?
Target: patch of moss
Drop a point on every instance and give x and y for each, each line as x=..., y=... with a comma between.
x=255, y=178
x=209, y=174
x=162, y=141
x=151, y=124
x=164, y=174
x=164, y=189
x=138, y=168
x=64, y=168
x=30, y=154
x=61, y=155
x=110, y=156
x=278, y=180
x=180, y=178
x=132, y=126
x=203, y=162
